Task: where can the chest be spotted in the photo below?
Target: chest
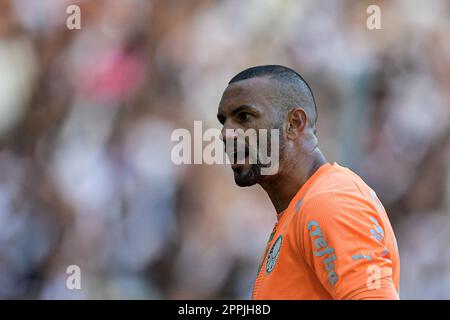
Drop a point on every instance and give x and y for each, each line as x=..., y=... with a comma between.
x=283, y=272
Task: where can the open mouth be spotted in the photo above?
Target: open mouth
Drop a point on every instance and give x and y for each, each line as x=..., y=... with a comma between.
x=237, y=162
x=238, y=157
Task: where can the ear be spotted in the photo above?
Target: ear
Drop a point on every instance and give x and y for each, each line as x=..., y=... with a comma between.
x=296, y=124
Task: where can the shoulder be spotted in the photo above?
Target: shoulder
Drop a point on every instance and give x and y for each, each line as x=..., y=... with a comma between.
x=347, y=211
x=338, y=191
x=340, y=204
x=337, y=179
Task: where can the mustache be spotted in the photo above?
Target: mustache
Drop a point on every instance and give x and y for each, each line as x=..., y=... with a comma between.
x=234, y=149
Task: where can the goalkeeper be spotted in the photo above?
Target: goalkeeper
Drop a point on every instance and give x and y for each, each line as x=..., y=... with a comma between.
x=332, y=238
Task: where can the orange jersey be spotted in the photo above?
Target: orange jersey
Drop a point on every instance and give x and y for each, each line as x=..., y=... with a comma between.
x=333, y=241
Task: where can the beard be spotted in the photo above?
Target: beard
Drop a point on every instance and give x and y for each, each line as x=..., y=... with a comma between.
x=248, y=175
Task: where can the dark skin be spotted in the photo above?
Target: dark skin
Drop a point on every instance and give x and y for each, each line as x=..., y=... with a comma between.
x=248, y=104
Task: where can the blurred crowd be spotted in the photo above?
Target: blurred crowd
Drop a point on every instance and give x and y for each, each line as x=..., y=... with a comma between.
x=86, y=118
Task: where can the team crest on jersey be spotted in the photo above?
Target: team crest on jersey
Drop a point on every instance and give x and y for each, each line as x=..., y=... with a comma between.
x=273, y=255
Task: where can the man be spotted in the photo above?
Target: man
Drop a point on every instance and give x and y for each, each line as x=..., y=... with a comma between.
x=332, y=238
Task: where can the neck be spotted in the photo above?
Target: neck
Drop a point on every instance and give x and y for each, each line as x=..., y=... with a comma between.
x=284, y=187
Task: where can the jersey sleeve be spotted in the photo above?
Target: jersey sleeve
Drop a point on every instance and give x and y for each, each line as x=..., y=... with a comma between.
x=344, y=243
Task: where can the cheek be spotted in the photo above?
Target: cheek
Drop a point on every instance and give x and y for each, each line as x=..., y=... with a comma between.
x=276, y=139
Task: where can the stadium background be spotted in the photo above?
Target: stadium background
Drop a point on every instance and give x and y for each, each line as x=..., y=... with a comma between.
x=86, y=117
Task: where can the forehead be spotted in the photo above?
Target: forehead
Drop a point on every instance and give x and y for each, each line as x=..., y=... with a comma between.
x=254, y=91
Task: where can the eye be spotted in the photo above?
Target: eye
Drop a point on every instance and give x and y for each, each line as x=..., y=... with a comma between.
x=243, y=116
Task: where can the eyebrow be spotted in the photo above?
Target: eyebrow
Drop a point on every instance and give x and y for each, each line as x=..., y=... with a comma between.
x=242, y=108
